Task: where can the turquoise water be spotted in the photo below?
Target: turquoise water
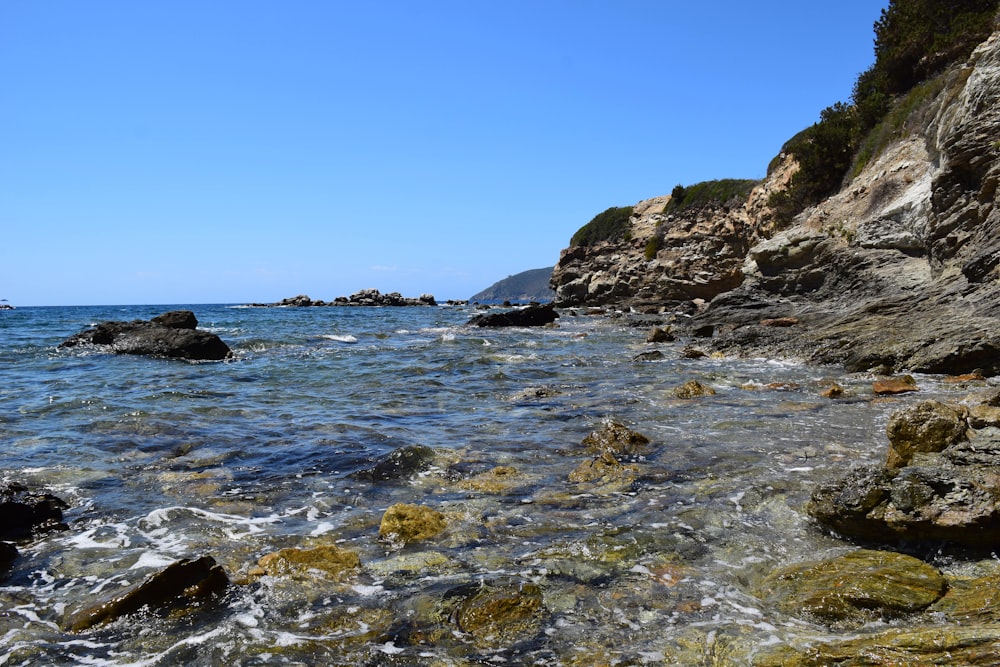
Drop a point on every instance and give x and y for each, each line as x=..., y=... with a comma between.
x=161, y=460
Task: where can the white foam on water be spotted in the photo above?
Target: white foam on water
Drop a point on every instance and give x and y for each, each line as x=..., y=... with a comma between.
x=341, y=338
x=150, y=559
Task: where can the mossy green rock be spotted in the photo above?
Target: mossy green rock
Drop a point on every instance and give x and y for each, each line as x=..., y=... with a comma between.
x=932, y=645
x=972, y=600
x=693, y=389
x=327, y=561
x=862, y=586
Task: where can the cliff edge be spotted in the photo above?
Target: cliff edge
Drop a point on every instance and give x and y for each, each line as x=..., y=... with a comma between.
x=899, y=269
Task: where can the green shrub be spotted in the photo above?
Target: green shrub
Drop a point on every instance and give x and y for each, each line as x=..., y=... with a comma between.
x=723, y=192
x=609, y=225
x=653, y=247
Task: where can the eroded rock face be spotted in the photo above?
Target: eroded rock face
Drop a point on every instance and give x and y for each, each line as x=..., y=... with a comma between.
x=172, y=335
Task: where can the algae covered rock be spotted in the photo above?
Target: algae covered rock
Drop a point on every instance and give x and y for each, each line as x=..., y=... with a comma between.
x=605, y=473
x=861, y=586
x=616, y=439
x=693, y=389
x=929, y=426
x=403, y=523
x=496, y=616
x=930, y=645
x=327, y=561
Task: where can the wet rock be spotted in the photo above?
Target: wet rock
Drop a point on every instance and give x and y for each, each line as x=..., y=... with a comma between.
x=660, y=335
x=693, y=353
x=779, y=322
x=8, y=554
x=400, y=463
x=929, y=426
x=403, y=523
x=833, y=391
x=535, y=315
x=930, y=645
x=616, y=439
x=854, y=589
x=327, y=561
x=652, y=355
x=496, y=616
x=693, y=389
x=532, y=393
x=23, y=513
x=179, y=584
x=497, y=480
x=604, y=474
x=971, y=601
x=895, y=385
x=167, y=335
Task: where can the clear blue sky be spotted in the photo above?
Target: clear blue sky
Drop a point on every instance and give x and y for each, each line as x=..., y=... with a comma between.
x=235, y=151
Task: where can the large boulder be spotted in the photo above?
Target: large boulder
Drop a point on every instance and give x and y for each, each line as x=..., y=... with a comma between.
x=535, y=315
x=939, y=485
x=172, y=335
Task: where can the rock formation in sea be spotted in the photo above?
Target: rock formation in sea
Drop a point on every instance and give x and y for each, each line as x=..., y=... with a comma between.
x=899, y=269
x=365, y=297
x=172, y=335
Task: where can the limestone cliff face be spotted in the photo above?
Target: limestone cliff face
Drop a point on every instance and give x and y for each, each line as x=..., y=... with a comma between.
x=900, y=269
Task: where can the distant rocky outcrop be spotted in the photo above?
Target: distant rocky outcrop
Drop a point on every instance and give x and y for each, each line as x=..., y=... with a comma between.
x=524, y=287
x=172, y=335
x=898, y=270
x=365, y=297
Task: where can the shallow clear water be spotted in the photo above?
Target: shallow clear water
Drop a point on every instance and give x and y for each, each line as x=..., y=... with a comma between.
x=162, y=460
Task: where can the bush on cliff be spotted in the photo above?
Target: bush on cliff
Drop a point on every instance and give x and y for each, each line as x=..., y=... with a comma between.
x=722, y=192
x=914, y=41
x=609, y=225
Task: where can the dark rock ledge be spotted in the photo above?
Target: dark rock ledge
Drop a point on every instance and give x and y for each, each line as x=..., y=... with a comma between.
x=172, y=335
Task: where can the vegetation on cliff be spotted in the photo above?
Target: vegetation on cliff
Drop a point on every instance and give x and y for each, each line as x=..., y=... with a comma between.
x=609, y=225
x=722, y=192
x=914, y=41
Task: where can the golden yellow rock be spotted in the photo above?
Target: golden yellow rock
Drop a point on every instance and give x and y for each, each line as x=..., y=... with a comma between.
x=497, y=480
x=693, y=389
x=410, y=523
x=328, y=561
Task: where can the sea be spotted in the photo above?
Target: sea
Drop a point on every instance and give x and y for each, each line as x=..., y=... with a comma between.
x=161, y=460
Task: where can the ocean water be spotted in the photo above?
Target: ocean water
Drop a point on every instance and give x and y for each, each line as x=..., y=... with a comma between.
x=161, y=460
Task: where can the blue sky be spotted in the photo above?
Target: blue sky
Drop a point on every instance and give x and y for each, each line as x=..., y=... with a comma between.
x=227, y=152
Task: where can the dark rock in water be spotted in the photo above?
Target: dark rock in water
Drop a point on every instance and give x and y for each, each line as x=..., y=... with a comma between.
x=23, y=514
x=651, y=355
x=616, y=439
x=535, y=315
x=401, y=463
x=180, y=583
x=496, y=616
x=170, y=335
x=8, y=554
x=177, y=319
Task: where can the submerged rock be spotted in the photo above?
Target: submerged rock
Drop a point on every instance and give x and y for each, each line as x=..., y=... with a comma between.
x=180, y=583
x=327, y=561
x=403, y=523
x=171, y=335
x=497, y=616
x=693, y=389
x=855, y=589
x=617, y=439
x=400, y=463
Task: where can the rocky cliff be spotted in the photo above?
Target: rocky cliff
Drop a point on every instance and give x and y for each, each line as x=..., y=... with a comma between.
x=899, y=270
